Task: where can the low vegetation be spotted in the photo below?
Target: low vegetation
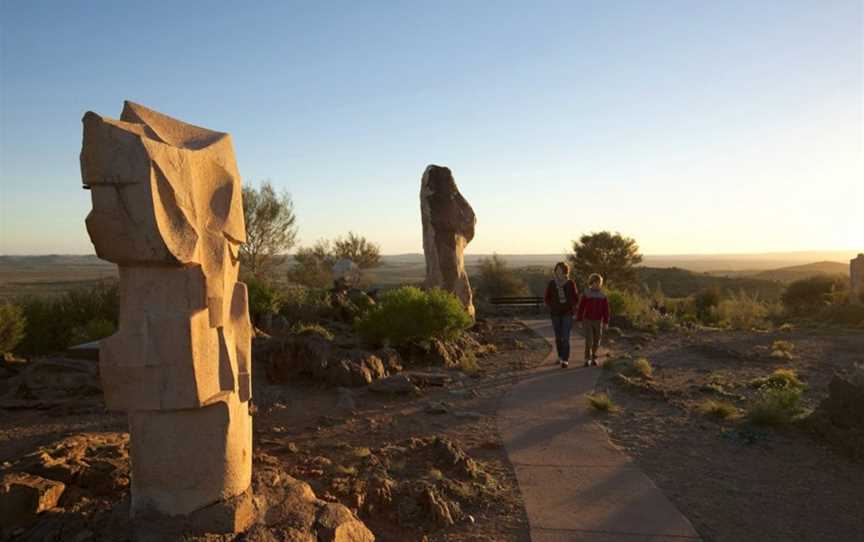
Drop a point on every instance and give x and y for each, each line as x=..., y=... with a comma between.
x=410, y=314
x=779, y=399
x=12, y=325
x=722, y=410
x=601, y=402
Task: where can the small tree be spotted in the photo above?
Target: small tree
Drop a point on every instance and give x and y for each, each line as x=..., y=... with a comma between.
x=496, y=279
x=313, y=265
x=357, y=249
x=811, y=294
x=270, y=229
x=613, y=256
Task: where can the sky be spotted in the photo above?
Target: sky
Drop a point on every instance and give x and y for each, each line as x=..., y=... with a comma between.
x=692, y=126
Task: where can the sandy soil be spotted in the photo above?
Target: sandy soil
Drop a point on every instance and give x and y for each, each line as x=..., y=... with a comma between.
x=737, y=482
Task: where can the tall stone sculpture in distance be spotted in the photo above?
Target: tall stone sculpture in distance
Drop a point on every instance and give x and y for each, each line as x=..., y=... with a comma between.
x=448, y=225
x=856, y=276
x=167, y=210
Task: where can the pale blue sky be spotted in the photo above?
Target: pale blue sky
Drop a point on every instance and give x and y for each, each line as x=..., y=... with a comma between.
x=693, y=126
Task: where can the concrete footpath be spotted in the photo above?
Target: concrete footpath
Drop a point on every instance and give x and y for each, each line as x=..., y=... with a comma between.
x=576, y=485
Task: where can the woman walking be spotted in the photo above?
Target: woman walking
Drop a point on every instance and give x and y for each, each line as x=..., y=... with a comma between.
x=562, y=298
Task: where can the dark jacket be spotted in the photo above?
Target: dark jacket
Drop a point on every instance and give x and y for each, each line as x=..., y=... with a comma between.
x=555, y=305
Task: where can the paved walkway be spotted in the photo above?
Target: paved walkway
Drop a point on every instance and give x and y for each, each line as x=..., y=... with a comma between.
x=576, y=485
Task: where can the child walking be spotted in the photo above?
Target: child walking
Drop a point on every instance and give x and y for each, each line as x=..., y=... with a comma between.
x=562, y=298
x=593, y=311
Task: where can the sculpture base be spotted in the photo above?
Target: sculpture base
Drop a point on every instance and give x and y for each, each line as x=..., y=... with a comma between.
x=234, y=515
x=186, y=460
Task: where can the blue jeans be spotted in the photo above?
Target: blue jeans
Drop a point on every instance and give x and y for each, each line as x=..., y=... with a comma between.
x=562, y=324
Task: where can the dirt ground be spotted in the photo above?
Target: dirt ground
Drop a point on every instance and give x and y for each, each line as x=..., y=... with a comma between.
x=737, y=482
x=335, y=446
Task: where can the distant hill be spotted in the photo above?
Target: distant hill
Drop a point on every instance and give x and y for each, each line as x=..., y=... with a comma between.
x=797, y=272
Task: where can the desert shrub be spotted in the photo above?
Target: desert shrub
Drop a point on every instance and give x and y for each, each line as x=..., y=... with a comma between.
x=723, y=410
x=497, y=280
x=786, y=327
x=742, y=311
x=844, y=314
x=468, y=363
x=780, y=379
x=774, y=406
x=782, y=350
x=54, y=324
x=600, y=402
x=301, y=304
x=95, y=329
x=634, y=306
x=806, y=296
x=12, y=324
x=643, y=368
x=705, y=304
x=410, y=314
x=302, y=328
x=666, y=323
x=264, y=299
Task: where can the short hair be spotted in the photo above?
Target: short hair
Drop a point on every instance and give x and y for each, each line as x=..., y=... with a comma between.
x=595, y=278
x=563, y=266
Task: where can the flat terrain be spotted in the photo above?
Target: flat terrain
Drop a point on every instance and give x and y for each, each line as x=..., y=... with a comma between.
x=735, y=482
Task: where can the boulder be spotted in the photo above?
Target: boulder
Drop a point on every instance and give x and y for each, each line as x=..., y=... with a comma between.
x=448, y=226
x=335, y=523
x=394, y=385
x=23, y=496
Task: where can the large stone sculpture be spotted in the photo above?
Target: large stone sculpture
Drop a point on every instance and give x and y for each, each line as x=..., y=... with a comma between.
x=167, y=210
x=448, y=225
x=856, y=275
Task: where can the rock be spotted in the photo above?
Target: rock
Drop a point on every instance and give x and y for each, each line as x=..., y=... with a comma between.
x=313, y=356
x=58, y=378
x=448, y=226
x=429, y=379
x=450, y=455
x=391, y=360
x=394, y=385
x=468, y=415
x=336, y=523
x=23, y=496
x=844, y=405
x=97, y=462
x=437, y=407
x=168, y=209
x=441, y=512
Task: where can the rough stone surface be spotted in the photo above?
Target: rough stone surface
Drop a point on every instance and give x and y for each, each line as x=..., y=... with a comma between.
x=394, y=385
x=312, y=356
x=23, y=496
x=167, y=209
x=839, y=418
x=856, y=276
x=51, y=381
x=448, y=226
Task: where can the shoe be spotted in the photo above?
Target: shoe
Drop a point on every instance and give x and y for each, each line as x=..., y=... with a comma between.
x=565, y=364
x=594, y=362
x=587, y=363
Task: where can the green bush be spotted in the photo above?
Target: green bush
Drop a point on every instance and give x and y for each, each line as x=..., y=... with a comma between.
x=54, y=324
x=12, y=324
x=95, y=329
x=497, y=280
x=774, y=406
x=743, y=311
x=705, y=305
x=723, y=410
x=627, y=303
x=264, y=299
x=780, y=379
x=410, y=314
x=302, y=304
x=601, y=402
x=806, y=296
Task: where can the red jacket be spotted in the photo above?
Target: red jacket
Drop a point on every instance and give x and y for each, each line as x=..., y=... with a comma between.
x=593, y=306
x=571, y=293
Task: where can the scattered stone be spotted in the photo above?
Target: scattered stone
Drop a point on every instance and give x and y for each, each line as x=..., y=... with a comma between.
x=429, y=379
x=23, y=496
x=335, y=523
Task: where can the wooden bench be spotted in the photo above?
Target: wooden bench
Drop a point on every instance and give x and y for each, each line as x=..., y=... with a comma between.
x=536, y=302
